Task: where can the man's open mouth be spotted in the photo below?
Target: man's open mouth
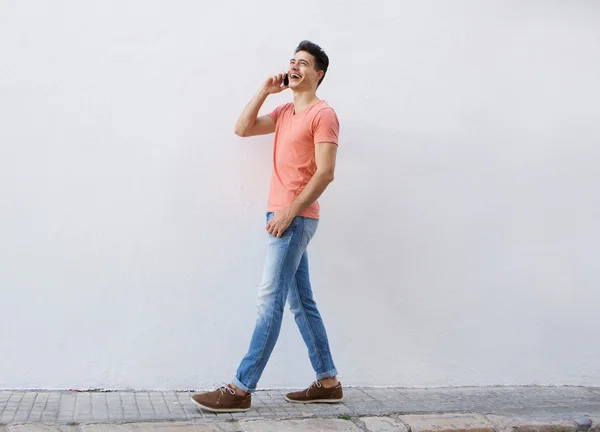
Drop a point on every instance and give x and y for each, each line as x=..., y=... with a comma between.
x=295, y=76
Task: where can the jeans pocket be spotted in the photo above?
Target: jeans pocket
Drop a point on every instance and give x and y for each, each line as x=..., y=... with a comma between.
x=289, y=230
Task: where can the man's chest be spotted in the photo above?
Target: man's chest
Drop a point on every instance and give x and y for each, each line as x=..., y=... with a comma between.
x=295, y=136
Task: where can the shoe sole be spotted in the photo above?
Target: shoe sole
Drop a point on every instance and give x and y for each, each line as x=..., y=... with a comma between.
x=220, y=410
x=313, y=400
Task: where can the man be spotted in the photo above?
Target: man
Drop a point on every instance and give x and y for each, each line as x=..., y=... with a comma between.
x=306, y=139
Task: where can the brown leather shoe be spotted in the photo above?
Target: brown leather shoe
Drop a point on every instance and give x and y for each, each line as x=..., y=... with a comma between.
x=317, y=393
x=223, y=399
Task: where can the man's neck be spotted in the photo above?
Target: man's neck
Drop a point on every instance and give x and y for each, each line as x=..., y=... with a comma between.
x=304, y=99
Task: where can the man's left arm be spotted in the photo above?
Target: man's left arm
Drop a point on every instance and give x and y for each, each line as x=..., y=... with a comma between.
x=325, y=154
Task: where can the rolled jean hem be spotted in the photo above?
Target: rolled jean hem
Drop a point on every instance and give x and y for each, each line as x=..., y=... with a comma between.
x=241, y=386
x=329, y=374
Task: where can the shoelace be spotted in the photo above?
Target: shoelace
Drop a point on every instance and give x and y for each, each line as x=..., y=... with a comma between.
x=317, y=383
x=225, y=387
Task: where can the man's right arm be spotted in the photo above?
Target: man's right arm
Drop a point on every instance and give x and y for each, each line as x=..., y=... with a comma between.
x=249, y=124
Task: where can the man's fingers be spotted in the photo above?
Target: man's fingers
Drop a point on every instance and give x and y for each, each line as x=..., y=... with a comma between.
x=274, y=230
x=276, y=227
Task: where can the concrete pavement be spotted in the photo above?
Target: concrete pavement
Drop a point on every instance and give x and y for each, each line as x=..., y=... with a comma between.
x=465, y=409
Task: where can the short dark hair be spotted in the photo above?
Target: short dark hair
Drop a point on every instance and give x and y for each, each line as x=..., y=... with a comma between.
x=321, y=59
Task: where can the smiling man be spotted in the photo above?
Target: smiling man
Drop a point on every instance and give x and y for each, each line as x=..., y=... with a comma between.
x=306, y=140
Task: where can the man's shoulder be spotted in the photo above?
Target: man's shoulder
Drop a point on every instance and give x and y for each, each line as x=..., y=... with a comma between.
x=323, y=108
x=286, y=107
x=324, y=105
x=324, y=111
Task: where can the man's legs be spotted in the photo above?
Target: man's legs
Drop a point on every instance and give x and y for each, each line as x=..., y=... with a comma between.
x=283, y=257
x=327, y=388
x=310, y=324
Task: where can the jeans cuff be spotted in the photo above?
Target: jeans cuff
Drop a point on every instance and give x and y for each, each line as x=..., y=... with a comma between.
x=328, y=374
x=241, y=386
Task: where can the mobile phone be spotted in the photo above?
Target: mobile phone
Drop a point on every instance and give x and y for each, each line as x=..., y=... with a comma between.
x=286, y=80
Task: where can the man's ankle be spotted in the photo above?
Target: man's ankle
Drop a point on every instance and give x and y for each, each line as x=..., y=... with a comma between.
x=238, y=391
x=330, y=382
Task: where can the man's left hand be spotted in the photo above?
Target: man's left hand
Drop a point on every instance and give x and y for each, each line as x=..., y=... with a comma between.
x=279, y=223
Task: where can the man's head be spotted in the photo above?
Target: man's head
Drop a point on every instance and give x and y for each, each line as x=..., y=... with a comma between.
x=308, y=66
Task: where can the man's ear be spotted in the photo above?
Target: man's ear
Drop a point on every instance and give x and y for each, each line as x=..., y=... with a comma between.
x=320, y=75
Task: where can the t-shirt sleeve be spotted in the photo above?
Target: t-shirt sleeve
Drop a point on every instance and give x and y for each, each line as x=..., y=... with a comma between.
x=276, y=113
x=326, y=126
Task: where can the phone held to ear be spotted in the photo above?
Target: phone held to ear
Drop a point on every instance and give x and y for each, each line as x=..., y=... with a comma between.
x=286, y=80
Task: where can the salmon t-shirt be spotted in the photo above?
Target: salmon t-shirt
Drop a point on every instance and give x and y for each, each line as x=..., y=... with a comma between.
x=294, y=151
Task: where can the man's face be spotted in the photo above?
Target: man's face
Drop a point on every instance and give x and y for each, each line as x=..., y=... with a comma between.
x=302, y=72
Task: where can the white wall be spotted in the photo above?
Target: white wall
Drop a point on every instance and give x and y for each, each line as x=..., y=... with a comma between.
x=457, y=246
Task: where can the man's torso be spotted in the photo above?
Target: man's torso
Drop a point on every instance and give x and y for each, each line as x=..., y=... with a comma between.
x=294, y=152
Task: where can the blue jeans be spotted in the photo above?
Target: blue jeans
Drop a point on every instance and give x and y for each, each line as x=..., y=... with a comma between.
x=285, y=276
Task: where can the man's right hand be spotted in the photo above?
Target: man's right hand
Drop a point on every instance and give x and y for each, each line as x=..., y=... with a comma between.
x=273, y=84
x=249, y=124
